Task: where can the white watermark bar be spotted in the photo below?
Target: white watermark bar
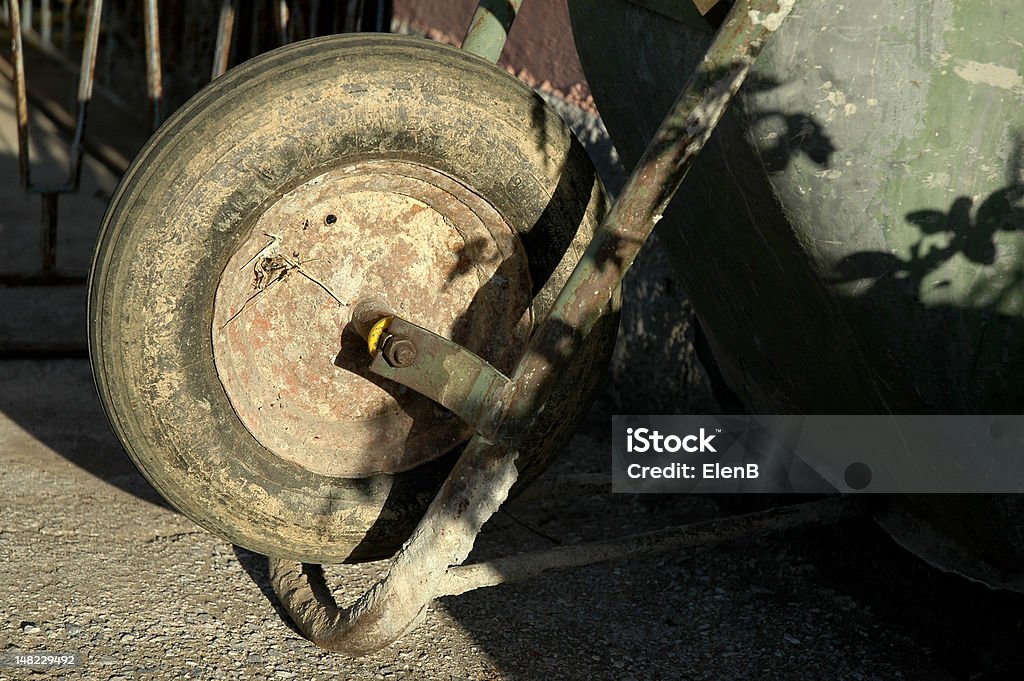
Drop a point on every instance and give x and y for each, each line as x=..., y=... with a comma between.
x=817, y=454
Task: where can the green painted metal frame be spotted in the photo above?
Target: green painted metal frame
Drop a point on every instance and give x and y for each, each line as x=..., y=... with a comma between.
x=488, y=30
x=457, y=379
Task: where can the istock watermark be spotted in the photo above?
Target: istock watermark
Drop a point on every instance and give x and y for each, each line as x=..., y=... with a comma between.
x=816, y=454
x=645, y=439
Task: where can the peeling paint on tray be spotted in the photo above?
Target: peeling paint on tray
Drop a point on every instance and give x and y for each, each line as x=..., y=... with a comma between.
x=772, y=20
x=990, y=74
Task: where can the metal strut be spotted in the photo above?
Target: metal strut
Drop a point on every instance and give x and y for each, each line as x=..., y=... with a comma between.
x=485, y=472
x=489, y=27
x=50, y=193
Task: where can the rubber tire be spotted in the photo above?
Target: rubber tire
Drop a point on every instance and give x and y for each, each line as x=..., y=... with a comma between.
x=193, y=194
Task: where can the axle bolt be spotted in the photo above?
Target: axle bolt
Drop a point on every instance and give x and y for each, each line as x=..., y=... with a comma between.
x=399, y=352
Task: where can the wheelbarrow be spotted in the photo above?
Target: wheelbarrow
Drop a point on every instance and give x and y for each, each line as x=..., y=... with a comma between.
x=359, y=290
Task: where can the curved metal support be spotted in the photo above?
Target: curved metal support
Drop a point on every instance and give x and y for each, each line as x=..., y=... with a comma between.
x=476, y=487
x=304, y=593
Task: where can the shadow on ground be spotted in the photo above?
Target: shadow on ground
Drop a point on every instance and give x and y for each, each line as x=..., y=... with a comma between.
x=55, y=402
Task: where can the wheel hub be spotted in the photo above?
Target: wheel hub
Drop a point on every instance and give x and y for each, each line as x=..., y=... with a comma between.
x=292, y=366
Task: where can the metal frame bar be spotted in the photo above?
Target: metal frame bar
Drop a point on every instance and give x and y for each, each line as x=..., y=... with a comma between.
x=282, y=16
x=20, y=94
x=154, y=71
x=489, y=27
x=46, y=23
x=87, y=67
x=65, y=25
x=86, y=75
x=485, y=472
x=314, y=12
x=225, y=32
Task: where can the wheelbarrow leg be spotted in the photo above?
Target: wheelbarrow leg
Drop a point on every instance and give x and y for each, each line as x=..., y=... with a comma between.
x=474, y=490
x=481, y=479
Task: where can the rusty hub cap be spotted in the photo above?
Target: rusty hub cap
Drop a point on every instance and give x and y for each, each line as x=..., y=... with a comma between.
x=293, y=367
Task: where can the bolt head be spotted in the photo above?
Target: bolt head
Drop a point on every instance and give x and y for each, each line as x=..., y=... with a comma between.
x=400, y=352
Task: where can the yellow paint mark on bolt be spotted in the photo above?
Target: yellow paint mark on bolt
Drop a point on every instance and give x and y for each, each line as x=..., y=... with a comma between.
x=376, y=331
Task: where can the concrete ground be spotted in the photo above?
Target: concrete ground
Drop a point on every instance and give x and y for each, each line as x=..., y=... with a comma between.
x=93, y=561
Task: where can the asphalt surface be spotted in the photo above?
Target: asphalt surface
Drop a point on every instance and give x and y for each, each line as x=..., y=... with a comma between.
x=92, y=561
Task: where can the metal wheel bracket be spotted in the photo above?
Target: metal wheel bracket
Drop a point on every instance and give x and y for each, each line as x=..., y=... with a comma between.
x=457, y=379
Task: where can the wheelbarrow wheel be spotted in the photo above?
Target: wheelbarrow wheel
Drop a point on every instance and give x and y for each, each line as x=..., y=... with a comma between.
x=245, y=231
